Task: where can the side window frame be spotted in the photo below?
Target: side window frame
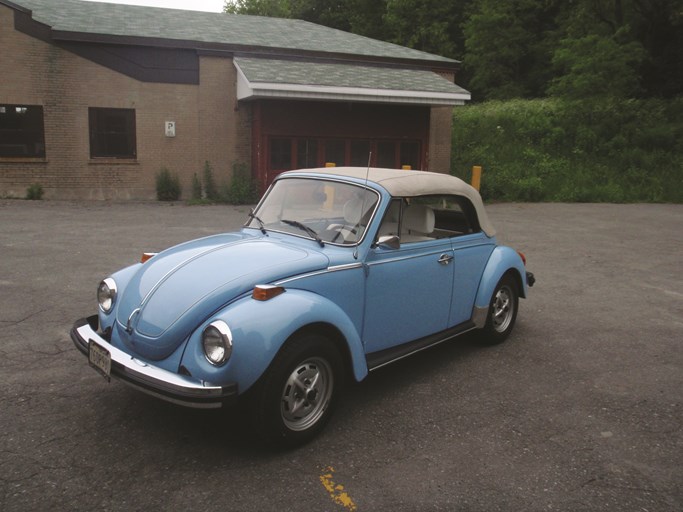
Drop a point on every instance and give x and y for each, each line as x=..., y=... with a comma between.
x=112, y=133
x=454, y=216
x=22, y=131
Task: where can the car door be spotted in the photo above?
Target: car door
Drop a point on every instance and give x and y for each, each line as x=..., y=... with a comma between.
x=408, y=289
x=470, y=255
x=455, y=218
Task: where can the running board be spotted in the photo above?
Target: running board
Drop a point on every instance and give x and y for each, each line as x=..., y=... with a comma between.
x=390, y=355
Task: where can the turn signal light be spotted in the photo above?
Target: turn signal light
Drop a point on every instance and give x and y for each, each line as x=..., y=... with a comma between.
x=521, y=255
x=265, y=292
x=146, y=256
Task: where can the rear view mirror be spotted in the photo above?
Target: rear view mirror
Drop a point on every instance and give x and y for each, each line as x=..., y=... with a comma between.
x=388, y=242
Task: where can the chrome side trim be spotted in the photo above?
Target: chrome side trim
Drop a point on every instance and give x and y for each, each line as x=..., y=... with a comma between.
x=150, y=379
x=404, y=257
x=420, y=345
x=335, y=268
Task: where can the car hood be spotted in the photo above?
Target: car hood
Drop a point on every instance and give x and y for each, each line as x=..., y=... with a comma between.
x=175, y=291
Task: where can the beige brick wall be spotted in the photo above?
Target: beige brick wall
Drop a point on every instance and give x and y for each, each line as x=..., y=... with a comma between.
x=208, y=125
x=440, y=124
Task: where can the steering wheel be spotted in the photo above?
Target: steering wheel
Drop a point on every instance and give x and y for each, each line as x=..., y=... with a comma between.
x=345, y=230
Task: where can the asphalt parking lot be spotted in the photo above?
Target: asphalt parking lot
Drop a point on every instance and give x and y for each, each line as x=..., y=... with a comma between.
x=581, y=410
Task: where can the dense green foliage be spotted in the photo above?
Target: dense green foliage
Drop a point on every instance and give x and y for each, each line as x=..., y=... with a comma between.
x=240, y=189
x=561, y=150
x=167, y=185
x=34, y=192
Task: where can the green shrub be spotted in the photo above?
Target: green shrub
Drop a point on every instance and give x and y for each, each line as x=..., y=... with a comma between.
x=34, y=192
x=242, y=188
x=560, y=150
x=168, y=185
x=210, y=188
x=196, y=188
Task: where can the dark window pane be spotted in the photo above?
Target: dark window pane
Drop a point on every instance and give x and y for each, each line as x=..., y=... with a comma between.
x=307, y=153
x=280, y=154
x=21, y=131
x=112, y=133
x=360, y=151
x=386, y=154
x=335, y=152
x=410, y=154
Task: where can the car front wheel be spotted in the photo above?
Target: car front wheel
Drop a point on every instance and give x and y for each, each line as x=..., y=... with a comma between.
x=502, y=311
x=296, y=397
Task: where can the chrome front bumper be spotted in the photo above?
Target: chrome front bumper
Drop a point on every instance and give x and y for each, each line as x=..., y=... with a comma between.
x=152, y=380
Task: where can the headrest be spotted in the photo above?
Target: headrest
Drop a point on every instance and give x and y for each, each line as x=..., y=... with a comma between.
x=418, y=217
x=352, y=211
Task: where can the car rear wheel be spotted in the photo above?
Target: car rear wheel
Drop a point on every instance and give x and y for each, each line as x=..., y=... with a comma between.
x=502, y=311
x=296, y=397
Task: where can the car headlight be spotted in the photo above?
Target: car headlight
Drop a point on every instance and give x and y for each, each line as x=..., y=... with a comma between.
x=106, y=295
x=217, y=342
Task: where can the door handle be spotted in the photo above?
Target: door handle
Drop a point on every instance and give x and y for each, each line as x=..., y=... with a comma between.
x=445, y=259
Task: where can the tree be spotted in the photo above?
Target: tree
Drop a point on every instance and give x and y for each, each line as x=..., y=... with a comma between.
x=630, y=47
x=432, y=26
x=596, y=66
x=658, y=26
x=272, y=8
x=507, y=47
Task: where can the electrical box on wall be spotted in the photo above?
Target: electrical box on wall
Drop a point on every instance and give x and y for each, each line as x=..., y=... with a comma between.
x=170, y=128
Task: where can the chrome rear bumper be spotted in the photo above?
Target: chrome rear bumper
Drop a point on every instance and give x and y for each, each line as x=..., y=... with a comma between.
x=169, y=386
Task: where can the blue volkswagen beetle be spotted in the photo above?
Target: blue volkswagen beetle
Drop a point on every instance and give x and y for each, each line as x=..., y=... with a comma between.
x=336, y=272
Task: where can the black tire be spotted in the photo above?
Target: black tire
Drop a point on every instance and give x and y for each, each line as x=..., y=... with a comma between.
x=502, y=313
x=296, y=397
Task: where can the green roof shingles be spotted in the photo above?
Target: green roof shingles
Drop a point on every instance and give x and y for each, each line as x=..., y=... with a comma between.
x=344, y=75
x=213, y=28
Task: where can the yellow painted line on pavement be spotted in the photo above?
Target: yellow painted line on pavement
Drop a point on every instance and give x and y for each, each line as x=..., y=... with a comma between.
x=337, y=493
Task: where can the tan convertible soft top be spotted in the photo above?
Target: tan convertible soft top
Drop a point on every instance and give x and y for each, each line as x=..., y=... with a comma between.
x=413, y=183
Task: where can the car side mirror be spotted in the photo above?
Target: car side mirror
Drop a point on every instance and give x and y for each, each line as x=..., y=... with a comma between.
x=388, y=242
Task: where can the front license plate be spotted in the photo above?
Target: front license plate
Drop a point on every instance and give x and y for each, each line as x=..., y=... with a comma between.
x=100, y=359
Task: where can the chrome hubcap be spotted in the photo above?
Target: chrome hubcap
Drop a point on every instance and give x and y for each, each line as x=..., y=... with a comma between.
x=306, y=394
x=502, y=309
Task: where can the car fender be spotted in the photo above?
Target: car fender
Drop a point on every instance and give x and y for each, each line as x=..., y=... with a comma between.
x=502, y=260
x=121, y=278
x=259, y=330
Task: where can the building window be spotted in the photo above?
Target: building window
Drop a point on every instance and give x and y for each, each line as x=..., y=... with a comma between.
x=307, y=153
x=410, y=155
x=22, y=134
x=386, y=154
x=286, y=153
x=112, y=133
x=335, y=152
x=280, y=154
x=360, y=153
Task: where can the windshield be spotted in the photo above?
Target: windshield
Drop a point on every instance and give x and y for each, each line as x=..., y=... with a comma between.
x=326, y=211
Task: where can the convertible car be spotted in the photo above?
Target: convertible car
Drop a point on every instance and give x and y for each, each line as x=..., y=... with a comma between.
x=336, y=272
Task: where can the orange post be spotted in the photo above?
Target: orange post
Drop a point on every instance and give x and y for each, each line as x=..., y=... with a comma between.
x=476, y=176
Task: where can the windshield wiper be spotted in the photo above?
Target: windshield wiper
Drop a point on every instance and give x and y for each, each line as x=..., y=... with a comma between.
x=305, y=228
x=260, y=222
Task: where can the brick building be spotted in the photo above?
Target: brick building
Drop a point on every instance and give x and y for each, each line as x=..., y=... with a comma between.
x=96, y=98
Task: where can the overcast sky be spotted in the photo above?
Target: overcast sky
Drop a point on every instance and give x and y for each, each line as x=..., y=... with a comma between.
x=190, y=5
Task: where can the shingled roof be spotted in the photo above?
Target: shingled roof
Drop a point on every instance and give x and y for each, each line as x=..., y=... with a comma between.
x=77, y=20
x=259, y=77
x=275, y=57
